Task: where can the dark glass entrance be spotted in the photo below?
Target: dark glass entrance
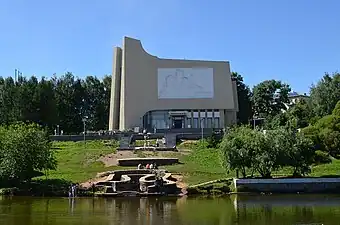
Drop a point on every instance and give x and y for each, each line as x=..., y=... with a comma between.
x=178, y=123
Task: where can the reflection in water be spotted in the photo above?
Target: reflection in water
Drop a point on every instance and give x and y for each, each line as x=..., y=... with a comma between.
x=241, y=210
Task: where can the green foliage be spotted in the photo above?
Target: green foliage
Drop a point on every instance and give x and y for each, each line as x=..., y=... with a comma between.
x=312, y=133
x=325, y=133
x=244, y=99
x=245, y=150
x=269, y=98
x=336, y=110
x=321, y=157
x=331, y=122
x=331, y=141
x=57, y=101
x=237, y=150
x=270, y=147
x=325, y=94
x=273, y=122
x=24, y=149
x=299, y=153
x=213, y=141
x=300, y=114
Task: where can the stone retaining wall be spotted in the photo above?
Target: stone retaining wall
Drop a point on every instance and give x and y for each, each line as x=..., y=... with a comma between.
x=144, y=161
x=288, y=185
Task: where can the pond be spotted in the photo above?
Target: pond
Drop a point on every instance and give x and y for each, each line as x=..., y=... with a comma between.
x=245, y=209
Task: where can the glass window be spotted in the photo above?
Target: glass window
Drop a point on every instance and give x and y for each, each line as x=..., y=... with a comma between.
x=188, y=123
x=210, y=114
x=217, y=114
x=195, y=125
x=202, y=123
x=209, y=123
x=202, y=114
x=216, y=123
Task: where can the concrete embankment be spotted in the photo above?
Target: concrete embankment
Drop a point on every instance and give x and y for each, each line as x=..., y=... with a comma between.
x=288, y=185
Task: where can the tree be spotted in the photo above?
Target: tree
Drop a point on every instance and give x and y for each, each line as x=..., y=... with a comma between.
x=279, y=120
x=24, y=149
x=269, y=98
x=299, y=153
x=244, y=99
x=336, y=110
x=331, y=141
x=325, y=94
x=325, y=133
x=300, y=114
x=236, y=149
x=270, y=150
x=245, y=150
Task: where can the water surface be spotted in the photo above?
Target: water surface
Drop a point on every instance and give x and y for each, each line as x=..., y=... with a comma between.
x=241, y=210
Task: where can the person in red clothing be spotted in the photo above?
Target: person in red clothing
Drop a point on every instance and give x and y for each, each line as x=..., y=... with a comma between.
x=147, y=166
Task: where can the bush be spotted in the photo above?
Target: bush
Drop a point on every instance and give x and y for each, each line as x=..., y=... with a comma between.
x=24, y=150
x=321, y=157
x=244, y=149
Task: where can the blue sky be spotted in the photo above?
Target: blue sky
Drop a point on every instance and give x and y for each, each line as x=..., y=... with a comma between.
x=295, y=41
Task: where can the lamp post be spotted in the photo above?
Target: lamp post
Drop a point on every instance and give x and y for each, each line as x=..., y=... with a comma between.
x=255, y=119
x=84, y=123
x=202, y=132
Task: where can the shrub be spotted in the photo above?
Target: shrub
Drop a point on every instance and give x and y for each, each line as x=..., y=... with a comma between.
x=244, y=149
x=321, y=157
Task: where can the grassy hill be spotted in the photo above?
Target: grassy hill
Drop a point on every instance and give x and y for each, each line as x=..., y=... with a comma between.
x=79, y=162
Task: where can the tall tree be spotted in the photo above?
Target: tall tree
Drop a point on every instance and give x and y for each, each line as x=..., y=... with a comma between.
x=300, y=114
x=325, y=94
x=269, y=98
x=244, y=99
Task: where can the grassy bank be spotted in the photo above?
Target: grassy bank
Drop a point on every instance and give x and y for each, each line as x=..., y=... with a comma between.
x=78, y=163
x=203, y=164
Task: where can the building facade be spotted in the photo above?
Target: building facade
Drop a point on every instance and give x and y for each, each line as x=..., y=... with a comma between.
x=153, y=93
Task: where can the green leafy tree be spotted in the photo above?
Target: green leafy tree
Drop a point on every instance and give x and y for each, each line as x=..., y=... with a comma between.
x=24, y=150
x=269, y=98
x=325, y=94
x=331, y=141
x=244, y=99
x=300, y=114
x=270, y=150
x=237, y=150
x=336, y=110
x=300, y=153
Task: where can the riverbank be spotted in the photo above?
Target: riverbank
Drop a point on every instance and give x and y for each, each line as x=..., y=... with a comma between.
x=79, y=162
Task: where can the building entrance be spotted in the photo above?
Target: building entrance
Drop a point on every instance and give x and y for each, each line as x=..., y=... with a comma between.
x=178, y=123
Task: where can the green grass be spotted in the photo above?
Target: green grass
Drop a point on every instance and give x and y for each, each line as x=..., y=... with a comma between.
x=78, y=162
x=204, y=165
x=199, y=166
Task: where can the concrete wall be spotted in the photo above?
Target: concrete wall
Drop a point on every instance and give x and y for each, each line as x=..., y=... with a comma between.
x=144, y=161
x=288, y=185
x=139, y=88
x=115, y=90
x=186, y=134
x=81, y=137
